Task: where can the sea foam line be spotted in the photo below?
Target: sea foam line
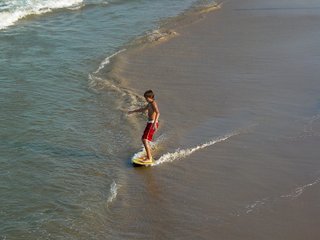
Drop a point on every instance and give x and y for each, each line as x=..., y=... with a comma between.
x=182, y=153
x=11, y=16
x=106, y=61
x=299, y=190
x=113, y=192
x=293, y=195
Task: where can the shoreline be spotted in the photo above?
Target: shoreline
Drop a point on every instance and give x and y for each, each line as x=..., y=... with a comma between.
x=109, y=75
x=131, y=96
x=166, y=31
x=169, y=27
x=192, y=25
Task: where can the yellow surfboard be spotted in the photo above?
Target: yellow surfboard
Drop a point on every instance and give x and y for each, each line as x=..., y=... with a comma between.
x=139, y=161
x=139, y=156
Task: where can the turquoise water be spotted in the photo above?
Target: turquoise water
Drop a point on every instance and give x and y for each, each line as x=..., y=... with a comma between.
x=64, y=145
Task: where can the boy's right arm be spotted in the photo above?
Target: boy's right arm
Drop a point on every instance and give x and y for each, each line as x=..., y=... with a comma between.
x=143, y=109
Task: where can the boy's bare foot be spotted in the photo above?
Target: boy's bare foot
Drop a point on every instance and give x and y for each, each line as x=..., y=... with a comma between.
x=145, y=159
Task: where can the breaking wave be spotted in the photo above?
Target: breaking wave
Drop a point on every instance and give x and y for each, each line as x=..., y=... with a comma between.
x=104, y=78
x=14, y=10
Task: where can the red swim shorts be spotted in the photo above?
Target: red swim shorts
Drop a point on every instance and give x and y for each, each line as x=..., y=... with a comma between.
x=149, y=131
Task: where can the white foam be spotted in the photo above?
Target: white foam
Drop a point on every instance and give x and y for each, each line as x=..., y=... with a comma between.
x=106, y=61
x=251, y=207
x=182, y=153
x=153, y=146
x=294, y=194
x=16, y=12
x=113, y=192
x=98, y=82
x=308, y=128
x=158, y=34
x=299, y=190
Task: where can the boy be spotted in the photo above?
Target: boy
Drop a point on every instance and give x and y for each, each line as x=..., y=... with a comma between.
x=152, y=123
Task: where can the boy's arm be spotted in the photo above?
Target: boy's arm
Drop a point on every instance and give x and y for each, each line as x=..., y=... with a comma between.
x=143, y=109
x=157, y=112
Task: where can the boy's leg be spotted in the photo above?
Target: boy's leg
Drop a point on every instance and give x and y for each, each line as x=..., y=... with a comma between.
x=148, y=151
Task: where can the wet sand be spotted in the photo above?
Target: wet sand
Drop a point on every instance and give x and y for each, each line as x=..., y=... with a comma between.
x=248, y=70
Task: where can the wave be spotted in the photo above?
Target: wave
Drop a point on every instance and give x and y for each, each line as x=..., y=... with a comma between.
x=182, y=153
x=109, y=80
x=13, y=11
x=106, y=61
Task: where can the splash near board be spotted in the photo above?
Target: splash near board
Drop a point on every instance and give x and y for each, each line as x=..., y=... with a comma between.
x=137, y=157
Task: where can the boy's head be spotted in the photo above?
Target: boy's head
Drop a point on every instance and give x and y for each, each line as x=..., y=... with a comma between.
x=149, y=95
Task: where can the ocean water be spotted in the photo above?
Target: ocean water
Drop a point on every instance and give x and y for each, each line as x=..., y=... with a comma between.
x=65, y=145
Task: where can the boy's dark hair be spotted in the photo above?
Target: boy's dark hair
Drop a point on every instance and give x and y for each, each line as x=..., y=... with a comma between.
x=149, y=94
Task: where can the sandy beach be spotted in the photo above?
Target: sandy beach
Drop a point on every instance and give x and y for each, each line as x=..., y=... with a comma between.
x=244, y=76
